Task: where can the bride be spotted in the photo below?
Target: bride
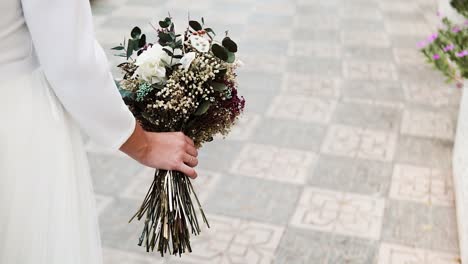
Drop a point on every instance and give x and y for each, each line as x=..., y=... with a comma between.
x=54, y=80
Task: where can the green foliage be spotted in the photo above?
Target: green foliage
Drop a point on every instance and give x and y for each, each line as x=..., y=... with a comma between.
x=202, y=108
x=461, y=6
x=195, y=25
x=445, y=51
x=219, y=87
x=229, y=44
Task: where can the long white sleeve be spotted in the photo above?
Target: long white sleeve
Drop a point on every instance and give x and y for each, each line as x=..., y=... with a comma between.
x=77, y=68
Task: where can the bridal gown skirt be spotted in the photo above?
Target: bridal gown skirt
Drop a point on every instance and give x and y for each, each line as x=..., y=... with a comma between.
x=47, y=205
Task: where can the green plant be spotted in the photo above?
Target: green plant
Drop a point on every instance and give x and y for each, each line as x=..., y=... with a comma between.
x=447, y=50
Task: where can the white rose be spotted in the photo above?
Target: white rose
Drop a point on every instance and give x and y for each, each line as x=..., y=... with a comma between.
x=151, y=64
x=186, y=61
x=200, y=43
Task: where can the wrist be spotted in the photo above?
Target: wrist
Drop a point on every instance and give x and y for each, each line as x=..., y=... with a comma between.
x=137, y=146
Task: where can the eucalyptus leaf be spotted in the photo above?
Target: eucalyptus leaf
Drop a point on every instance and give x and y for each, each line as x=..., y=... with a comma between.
x=231, y=57
x=195, y=25
x=210, y=30
x=142, y=41
x=126, y=94
x=136, y=32
x=219, y=87
x=229, y=44
x=164, y=37
x=222, y=72
x=220, y=52
x=168, y=52
x=164, y=24
x=202, y=108
x=131, y=46
x=118, y=48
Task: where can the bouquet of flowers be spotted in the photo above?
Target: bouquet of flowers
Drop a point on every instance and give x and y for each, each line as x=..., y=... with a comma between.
x=183, y=82
x=447, y=49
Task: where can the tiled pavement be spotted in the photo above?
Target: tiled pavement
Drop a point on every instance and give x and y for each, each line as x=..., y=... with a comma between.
x=343, y=155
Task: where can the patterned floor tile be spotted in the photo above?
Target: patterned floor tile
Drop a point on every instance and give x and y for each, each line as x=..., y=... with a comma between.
x=320, y=67
x=361, y=12
x=424, y=185
x=337, y=212
x=419, y=225
x=321, y=22
x=253, y=199
x=413, y=29
x=424, y=152
x=102, y=201
x=301, y=246
x=397, y=254
x=362, y=24
x=358, y=142
x=115, y=256
x=399, y=7
x=264, y=63
x=419, y=73
x=138, y=188
x=232, y=240
x=256, y=80
x=245, y=127
x=352, y=175
x=289, y=134
x=331, y=37
x=428, y=94
x=110, y=173
x=302, y=109
x=373, y=71
x=310, y=86
x=273, y=163
x=367, y=53
x=312, y=49
x=385, y=92
x=116, y=232
x=368, y=116
x=410, y=56
x=365, y=39
x=218, y=155
x=428, y=124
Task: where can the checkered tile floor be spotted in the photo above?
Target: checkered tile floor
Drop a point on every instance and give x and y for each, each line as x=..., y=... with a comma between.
x=343, y=155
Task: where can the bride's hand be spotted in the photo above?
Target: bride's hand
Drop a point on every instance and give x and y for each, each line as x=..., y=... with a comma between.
x=167, y=151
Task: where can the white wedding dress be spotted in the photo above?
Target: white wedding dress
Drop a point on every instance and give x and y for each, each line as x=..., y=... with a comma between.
x=54, y=80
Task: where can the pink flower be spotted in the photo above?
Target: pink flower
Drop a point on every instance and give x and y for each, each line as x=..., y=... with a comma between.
x=456, y=29
x=432, y=37
x=436, y=57
x=449, y=47
x=422, y=44
x=462, y=54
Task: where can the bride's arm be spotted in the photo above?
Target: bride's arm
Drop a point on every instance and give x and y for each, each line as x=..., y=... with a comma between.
x=77, y=68
x=78, y=71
